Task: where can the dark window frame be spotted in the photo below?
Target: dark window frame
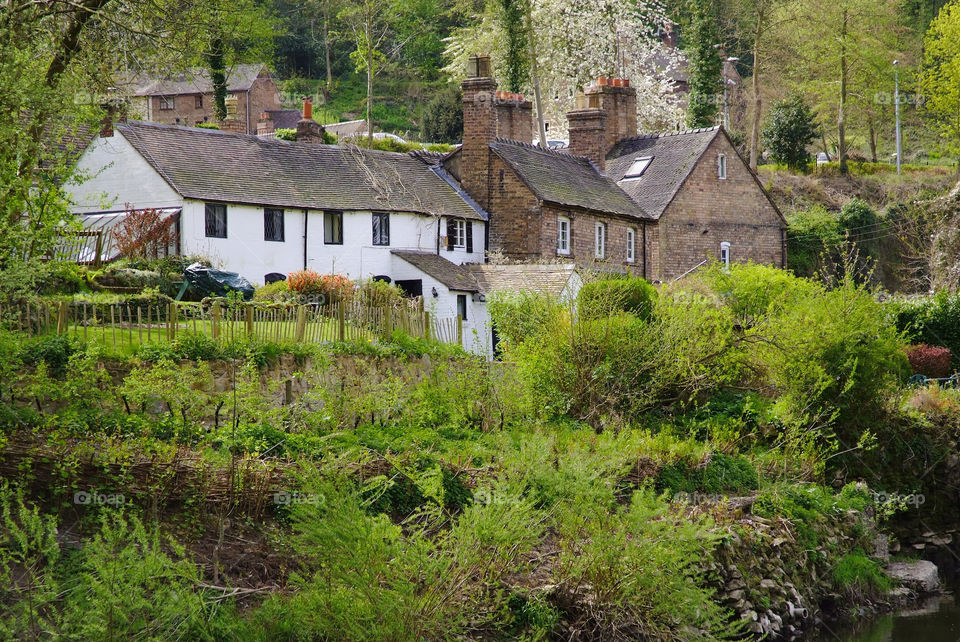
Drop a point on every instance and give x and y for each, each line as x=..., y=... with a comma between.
x=329, y=230
x=212, y=226
x=270, y=217
x=198, y=102
x=380, y=233
x=462, y=306
x=168, y=103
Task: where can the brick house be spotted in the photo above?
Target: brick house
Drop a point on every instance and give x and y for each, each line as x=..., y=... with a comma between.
x=187, y=99
x=655, y=206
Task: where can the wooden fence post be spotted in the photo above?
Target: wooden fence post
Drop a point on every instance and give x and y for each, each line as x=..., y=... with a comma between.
x=301, y=322
x=62, y=318
x=460, y=330
x=99, y=249
x=426, y=326
x=172, y=321
x=387, y=321
x=341, y=321
x=215, y=320
x=249, y=313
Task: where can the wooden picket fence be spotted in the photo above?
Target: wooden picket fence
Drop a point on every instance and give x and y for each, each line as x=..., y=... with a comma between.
x=135, y=322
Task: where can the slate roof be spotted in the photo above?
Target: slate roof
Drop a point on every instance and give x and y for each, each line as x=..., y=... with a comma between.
x=674, y=157
x=546, y=278
x=455, y=277
x=196, y=81
x=285, y=118
x=564, y=179
x=238, y=168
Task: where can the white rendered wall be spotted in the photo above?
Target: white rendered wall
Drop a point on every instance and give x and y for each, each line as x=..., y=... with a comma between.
x=117, y=175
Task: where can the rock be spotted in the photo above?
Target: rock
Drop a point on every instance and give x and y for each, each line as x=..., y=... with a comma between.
x=921, y=576
x=735, y=595
x=768, y=584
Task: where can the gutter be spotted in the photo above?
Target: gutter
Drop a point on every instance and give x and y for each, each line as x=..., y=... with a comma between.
x=306, y=218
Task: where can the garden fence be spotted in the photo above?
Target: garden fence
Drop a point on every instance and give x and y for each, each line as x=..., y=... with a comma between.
x=134, y=322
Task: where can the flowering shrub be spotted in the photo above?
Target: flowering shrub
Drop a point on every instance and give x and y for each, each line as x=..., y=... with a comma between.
x=332, y=287
x=932, y=361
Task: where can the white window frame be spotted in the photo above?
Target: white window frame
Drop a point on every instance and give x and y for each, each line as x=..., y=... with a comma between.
x=600, y=240
x=722, y=166
x=631, y=245
x=459, y=228
x=168, y=103
x=563, y=235
x=725, y=254
x=638, y=168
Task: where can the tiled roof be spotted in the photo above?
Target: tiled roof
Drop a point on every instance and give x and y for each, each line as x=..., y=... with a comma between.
x=564, y=179
x=542, y=278
x=195, y=81
x=674, y=157
x=285, y=118
x=237, y=168
x=455, y=277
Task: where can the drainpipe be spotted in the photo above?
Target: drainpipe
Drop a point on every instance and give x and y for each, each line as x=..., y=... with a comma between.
x=306, y=217
x=248, y=111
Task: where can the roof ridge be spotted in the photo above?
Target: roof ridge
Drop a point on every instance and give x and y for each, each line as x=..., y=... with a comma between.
x=546, y=150
x=681, y=132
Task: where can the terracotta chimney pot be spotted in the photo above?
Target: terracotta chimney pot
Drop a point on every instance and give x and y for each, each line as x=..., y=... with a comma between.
x=308, y=109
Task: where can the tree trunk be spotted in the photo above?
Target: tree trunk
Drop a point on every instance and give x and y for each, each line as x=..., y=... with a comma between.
x=535, y=72
x=841, y=115
x=757, y=102
x=369, y=37
x=326, y=43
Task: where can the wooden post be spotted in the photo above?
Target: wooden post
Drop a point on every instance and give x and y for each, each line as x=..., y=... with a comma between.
x=99, y=249
x=341, y=321
x=387, y=321
x=301, y=322
x=460, y=330
x=426, y=326
x=62, y=318
x=249, y=319
x=215, y=320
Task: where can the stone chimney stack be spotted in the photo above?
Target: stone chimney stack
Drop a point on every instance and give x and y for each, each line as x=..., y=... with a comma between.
x=116, y=111
x=309, y=130
x=479, y=128
x=606, y=113
x=265, y=125
x=514, y=116
x=231, y=123
x=587, y=126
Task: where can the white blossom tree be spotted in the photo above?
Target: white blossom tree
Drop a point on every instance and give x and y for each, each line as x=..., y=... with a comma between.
x=580, y=40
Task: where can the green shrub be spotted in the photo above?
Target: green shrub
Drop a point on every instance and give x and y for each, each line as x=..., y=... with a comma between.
x=518, y=316
x=602, y=298
x=197, y=346
x=54, y=350
x=933, y=320
x=443, y=117
x=277, y=292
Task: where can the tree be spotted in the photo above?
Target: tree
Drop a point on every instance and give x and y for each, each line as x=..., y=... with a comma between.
x=443, y=117
x=705, y=69
x=513, y=21
x=791, y=126
x=576, y=42
x=940, y=79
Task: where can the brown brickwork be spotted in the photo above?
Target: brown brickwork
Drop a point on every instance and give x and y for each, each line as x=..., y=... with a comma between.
x=708, y=210
x=262, y=96
x=588, y=134
x=620, y=104
x=479, y=130
x=515, y=214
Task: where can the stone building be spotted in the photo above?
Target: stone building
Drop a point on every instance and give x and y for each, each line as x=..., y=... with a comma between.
x=187, y=98
x=656, y=206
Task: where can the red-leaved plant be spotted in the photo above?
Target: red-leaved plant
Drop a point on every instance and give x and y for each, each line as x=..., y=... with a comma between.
x=931, y=361
x=146, y=233
x=310, y=284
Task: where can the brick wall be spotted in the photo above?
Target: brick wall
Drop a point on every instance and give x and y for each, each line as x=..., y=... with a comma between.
x=514, y=214
x=583, y=240
x=708, y=211
x=263, y=95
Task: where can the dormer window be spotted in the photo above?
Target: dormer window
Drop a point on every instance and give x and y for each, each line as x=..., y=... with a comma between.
x=722, y=166
x=638, y=167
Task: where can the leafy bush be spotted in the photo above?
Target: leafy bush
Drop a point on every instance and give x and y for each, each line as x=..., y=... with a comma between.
x=602, y=298
x=813, y=232
x=930, y=320
x=277, y=292
x=443, y=117
x=54, y=350
x=286, y=134
x=196, y=346
x=518, y=316
x=932, y=361
x=379, y=293
x=791, y=125
x=722, y=474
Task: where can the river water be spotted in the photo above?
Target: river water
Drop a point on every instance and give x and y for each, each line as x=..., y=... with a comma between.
x=935, y=620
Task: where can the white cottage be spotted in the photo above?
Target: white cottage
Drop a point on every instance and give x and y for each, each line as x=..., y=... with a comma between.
x=260, y=206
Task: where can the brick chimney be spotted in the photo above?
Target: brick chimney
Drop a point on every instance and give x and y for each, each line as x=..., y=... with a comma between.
x=606, y=113
x=488, y=114
x=309, y=130
x=265, y=125
x=231, y=123
x=115, y=111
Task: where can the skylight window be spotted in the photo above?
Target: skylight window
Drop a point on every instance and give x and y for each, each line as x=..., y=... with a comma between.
x=638, y=167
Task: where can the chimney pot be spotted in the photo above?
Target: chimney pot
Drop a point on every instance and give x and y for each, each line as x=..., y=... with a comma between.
x=478, y=67
x=308, y=109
